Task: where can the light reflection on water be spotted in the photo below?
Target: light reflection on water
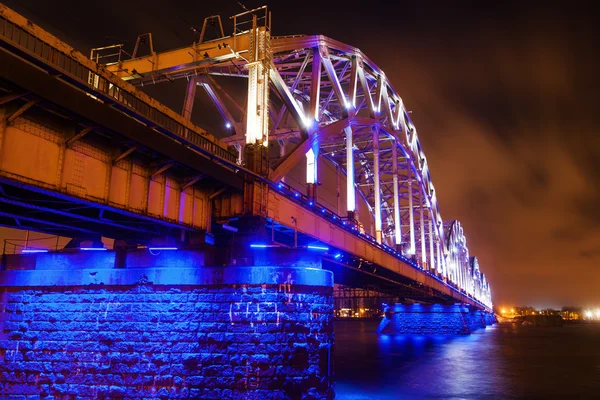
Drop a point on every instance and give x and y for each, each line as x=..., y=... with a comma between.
x=499, y=362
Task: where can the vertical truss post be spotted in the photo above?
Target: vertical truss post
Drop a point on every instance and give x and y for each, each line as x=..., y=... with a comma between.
x=411, y=211
x=431, y=254
x=440, y=270
x=315, y=87
x=312, y=156
x=338, y=176
x=313, y=118
x=459, y=269
x=281, y=143
x=377, y=205
x=397, y=220
x=460, y=273
x=350, y=190
x=257, y=119
x=422, y=227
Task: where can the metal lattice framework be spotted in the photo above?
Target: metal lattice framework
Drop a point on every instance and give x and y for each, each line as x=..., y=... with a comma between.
x=334, y=105
x=321, y=103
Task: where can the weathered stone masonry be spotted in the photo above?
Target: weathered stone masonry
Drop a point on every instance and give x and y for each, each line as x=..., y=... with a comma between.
x=148, y=341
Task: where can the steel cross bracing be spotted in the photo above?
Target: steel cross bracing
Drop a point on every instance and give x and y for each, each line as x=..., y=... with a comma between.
x=325, y=105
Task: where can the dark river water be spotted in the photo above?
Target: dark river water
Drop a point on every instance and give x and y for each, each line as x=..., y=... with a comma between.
x=504, y=361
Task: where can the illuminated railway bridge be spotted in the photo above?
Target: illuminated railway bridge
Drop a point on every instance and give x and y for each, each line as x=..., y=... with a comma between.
x=320, y=176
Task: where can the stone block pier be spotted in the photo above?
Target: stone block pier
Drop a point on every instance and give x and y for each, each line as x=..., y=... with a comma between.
x=74, y=326
x=433, y=319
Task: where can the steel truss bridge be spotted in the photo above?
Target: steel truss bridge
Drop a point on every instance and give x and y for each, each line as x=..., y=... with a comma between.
x=321, y=153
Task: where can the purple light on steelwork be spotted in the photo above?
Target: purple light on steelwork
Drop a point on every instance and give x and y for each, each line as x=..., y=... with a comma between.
x=321, y=248
x=229, y=228
x=32, y=251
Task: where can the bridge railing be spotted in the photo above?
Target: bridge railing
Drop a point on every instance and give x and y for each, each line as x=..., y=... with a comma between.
x=89, y=76
x=31, y=245
x=351, y=227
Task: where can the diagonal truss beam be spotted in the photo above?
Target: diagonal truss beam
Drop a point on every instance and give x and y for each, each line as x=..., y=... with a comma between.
x=287, y=98
x=286, y=164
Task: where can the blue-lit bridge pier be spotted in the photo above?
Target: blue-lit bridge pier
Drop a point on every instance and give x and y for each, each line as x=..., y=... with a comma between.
x=219, y=283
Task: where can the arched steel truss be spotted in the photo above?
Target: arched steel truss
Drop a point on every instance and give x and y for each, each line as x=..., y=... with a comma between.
x=317, y=98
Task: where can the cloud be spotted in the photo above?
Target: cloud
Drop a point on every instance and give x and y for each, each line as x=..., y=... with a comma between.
x=508, y=139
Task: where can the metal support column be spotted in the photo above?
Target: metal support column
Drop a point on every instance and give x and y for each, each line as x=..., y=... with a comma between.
x=350, y=190
x=411, y=210
x=397, y=220
x=431, y=254
x=311, y=173
x=422, y=227
x=377, y=205
x=257, y=117
x=312, y=123
x=281, y=143
x=338, y=179
x=440, y=268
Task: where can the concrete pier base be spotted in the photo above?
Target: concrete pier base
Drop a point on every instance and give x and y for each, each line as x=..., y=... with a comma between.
x=433, y=319
x=164, y=331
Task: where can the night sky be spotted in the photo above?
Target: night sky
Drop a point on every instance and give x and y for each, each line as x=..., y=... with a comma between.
x=505, y=99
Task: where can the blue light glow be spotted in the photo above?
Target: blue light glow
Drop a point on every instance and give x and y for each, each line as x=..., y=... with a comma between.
x=297, y=194
x=161, y=248
x=310, y=203
x=337, y=256
x=32, y=251
x=280, y=186
x=93, y=248
x=322, y=248
x=261, y=245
